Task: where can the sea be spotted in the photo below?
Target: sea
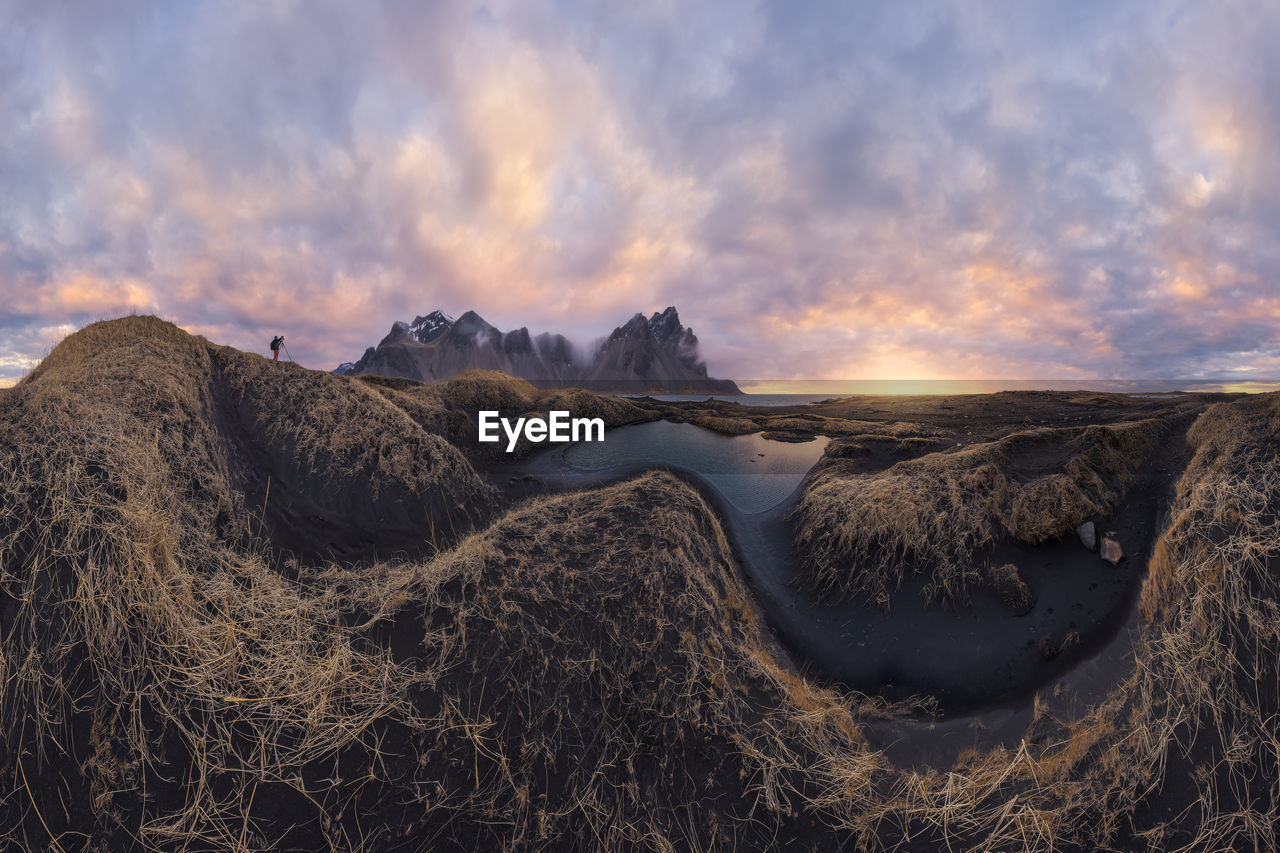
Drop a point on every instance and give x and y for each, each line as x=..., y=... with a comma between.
x=794, y=392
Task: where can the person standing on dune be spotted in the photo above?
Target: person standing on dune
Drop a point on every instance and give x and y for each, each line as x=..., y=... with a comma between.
x=276, y=343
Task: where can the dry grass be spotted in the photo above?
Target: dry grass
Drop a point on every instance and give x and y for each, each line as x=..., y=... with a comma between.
x=343, y=433
x=1184, y=754
x=450, y=408
x=1012, y=589
x=585, y=673
x=147, y=638
x=487, y=389
x=723, y=419
x=168, y=674
x=860, y=533
x=727, y=426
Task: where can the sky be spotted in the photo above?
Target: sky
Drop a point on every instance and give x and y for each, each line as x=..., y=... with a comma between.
x=825, y=190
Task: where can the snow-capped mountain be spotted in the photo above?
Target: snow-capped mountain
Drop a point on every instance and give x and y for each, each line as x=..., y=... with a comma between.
x=655, y=354
x=427, y=329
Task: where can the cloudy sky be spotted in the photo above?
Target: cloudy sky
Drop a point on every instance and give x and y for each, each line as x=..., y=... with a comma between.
x=825, y=190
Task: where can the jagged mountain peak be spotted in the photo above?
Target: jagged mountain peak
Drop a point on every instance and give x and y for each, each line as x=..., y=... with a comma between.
x=645, y=353
x=427, y=328
x=399, y=332
x=636, y=327
x=472, y=323
x=666, y=325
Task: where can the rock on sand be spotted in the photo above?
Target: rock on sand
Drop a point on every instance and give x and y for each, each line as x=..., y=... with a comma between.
x=1088, y=535
x=1111, y=550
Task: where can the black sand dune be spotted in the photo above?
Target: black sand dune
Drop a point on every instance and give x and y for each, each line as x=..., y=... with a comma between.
x=250, y=606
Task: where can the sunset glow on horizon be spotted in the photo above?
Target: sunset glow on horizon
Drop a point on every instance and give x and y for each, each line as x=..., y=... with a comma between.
x=925, y=191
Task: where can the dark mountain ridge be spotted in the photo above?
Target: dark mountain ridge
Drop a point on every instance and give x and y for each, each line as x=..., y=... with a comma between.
x=657, y=354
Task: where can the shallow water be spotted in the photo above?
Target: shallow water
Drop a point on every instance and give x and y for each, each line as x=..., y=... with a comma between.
x=780, y=399
x=826, y=388
x=751, y=472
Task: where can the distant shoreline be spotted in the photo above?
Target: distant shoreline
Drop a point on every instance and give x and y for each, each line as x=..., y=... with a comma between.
x=852, y=387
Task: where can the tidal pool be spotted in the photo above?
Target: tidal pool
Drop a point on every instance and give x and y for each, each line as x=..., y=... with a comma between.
x=751, y=472
x=975, y=657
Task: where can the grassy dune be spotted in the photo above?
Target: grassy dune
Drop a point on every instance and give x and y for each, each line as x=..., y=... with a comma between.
x=450, y=408
x=583, y=671
x=859, y=532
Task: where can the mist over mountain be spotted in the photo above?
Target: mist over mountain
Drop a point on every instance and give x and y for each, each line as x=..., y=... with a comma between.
x=654, y=354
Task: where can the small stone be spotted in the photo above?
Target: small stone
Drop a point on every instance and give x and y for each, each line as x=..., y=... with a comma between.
x=1088, y=535
x=1111, y=550
x=1049, y=647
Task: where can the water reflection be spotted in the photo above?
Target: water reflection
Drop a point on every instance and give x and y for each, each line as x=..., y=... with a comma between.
x=751, y=472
